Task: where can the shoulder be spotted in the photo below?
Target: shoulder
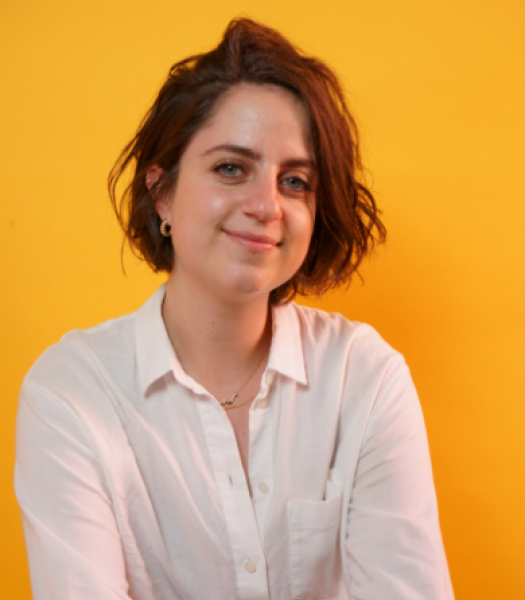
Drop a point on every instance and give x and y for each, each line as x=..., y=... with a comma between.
x=81, y=356
x=332, y=334
x=68, y=398
x=351, y=361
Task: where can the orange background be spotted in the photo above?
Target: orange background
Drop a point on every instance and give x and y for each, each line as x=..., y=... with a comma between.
x=438, y=90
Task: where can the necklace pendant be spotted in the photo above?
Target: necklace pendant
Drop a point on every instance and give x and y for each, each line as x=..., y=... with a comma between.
x=230, y=401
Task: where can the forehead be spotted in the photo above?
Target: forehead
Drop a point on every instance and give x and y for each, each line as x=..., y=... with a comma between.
x=260, y=117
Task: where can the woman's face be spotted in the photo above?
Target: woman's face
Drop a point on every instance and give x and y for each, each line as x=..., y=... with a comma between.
x=242, y=212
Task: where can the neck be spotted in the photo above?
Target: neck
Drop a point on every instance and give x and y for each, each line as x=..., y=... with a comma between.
x=217, y=342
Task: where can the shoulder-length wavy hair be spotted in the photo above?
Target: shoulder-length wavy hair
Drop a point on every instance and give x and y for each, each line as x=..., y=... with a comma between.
x=347, y=223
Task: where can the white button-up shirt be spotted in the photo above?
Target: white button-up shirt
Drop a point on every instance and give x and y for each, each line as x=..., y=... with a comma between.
x=131, y=484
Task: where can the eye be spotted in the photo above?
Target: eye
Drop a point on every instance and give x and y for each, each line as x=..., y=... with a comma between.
x=228, y=169
x=298, y=184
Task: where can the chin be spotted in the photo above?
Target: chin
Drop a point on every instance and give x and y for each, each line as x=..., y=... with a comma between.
x=248, y=285
x=249, y=282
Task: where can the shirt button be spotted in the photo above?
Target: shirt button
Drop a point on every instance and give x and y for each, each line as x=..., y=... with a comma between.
x=250, y=567
x=269, y=377
x=262, y=403
x=264, y=488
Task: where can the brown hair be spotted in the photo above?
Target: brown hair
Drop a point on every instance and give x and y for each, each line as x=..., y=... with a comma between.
x=347, y=223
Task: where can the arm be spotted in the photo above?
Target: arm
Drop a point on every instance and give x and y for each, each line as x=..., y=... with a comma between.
x=73, y=544
x=394, y=549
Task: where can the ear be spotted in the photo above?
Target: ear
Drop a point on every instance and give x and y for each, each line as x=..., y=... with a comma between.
x=153, y=175
x=161, y=202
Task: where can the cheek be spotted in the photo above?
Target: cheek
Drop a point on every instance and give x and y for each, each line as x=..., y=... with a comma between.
x=217, y=204
x=206, y=204
x=301, y=227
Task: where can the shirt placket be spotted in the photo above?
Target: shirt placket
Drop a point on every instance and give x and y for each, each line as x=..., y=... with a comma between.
x=247, y=554
x=260, y=455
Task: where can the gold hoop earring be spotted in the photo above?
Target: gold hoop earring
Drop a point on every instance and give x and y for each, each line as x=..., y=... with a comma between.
x=165, y=229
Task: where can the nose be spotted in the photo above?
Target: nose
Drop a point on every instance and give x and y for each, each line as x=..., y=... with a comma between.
x=263, y=200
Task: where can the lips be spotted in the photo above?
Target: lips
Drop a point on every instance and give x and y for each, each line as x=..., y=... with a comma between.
x=252, y=240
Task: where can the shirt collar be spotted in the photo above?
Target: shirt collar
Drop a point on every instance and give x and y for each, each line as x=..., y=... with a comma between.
x=156, y=357
x=155, y=354
x=286, y=353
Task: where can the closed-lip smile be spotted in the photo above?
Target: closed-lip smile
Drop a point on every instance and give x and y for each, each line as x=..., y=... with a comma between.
x=252, y=240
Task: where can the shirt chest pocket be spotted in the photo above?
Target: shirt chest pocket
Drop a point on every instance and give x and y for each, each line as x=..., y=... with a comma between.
x=313, y=548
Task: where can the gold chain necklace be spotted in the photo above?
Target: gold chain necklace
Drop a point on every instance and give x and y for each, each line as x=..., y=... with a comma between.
x=242, y=403
x=230, y=401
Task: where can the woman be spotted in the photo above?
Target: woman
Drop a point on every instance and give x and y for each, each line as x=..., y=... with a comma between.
x=223, y=442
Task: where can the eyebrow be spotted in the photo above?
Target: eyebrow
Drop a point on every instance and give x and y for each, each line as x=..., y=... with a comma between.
x=253, y=155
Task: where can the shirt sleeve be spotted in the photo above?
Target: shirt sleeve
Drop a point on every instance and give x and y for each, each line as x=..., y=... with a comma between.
x=72, y=540
x=394, y=548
